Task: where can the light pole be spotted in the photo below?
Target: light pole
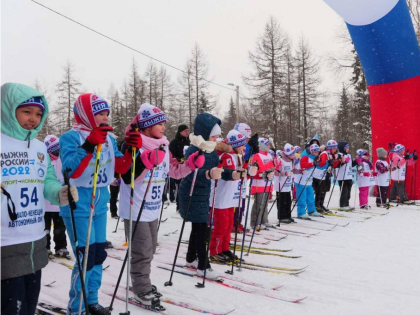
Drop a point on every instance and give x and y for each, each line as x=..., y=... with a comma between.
x=237, y=100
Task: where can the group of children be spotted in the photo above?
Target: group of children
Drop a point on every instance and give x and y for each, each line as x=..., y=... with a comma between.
x=33, y=192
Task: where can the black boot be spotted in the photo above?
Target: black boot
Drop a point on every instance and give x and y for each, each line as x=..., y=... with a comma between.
x=97, y=309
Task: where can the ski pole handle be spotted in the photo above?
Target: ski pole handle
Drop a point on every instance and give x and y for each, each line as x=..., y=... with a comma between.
x=72, y=203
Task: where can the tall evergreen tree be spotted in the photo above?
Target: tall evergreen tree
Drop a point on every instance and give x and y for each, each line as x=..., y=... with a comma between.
x=230, y=119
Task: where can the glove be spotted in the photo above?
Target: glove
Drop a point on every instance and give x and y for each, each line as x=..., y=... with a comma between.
x=253, y=170
x=361, y=174
x=277, y=163
x=253, y=143
x=64, y=197
x=195, y=161
x=367, y=174
x=289, y=174
x=347, y=159
x=216, y=173
x=375, y=173
x=316, y=163
x=149, y=157
x=330, y=162
x=359, y=160
x=393, y=169
x=268, y=175
x=238, y=174
x=133, y=139
x=96, y=136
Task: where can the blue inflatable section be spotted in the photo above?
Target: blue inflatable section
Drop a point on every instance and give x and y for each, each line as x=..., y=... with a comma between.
x=397, y=54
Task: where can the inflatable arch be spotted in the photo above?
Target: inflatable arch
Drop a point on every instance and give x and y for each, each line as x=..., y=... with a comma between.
x=386, y=43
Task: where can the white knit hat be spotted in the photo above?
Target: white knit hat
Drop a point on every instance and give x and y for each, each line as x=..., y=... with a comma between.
x=216, y=131
x=244, y=129
x=289, y=149
x=235, y=139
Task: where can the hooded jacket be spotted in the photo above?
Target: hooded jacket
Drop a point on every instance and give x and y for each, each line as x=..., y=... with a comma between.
x=177, y=146
x=200, y=203
x=27, y=257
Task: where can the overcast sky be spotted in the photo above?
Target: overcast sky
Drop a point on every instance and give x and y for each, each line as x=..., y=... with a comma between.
x=36, y=43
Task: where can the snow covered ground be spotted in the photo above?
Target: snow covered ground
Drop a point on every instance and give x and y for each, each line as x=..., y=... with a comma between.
x=371, y=266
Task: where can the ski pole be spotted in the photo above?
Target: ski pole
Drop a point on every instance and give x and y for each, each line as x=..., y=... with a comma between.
x=72, y=205
x=245, y=226
x=152, y=172
x=161, y=208
x=342, y=183
x=202, y=285
x=92, y=207
x=130, y=223
x=265, y=205
x=116, y=226
x=169, y=283
x=280, y=190
x=258, y=214
x=237, y=222
x=307, y=181
x=332, y=190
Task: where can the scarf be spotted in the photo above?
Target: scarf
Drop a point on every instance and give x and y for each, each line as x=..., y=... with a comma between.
x=53, y=157
x=199, y=142
x=152, y=143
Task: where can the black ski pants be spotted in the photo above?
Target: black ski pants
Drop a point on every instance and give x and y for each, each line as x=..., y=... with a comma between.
x=20, y=295
x=197, y=245
x=320, y=188
x=345, y=188
x=59, y=230
x=382, y=195
x=284, y=205
x=114, y=191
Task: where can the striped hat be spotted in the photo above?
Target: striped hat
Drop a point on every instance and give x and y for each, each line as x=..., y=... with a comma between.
x=264, y=141
x=399, y=148
x=244, y=129
x=149, y=115
x=235, y=139
x=86, y=107
x=33, y=101
x=332, y=144
x=52, y=143
x=314, y=148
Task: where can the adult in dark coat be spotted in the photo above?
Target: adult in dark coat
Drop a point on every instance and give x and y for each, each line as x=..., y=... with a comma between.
x=199, y=209
x=177, y=149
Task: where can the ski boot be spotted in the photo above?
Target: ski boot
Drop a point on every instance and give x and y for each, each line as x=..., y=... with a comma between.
x=155, y=291
x=220, y=257
x=63, y=252
x=304, y=217
x=210, y=274
x=108, y=245
x=193, y=264
x=325, y=209
x=315, y=214
x=149, y=300
x=229, y=254
x=97, y=309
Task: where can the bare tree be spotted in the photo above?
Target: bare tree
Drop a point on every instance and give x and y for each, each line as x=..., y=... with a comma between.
x=68, y=90
x=266, y=80
x=136, y=94
x=308, y=67
x=414, y=8
x=185, y=99
x=48, y=127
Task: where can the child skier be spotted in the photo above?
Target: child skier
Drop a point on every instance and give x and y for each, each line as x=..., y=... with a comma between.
x=345, y=175
x=28, y=179
x=262, y=185
x=297, y=171
x=399, y=168
x=305, y=191
x=283, y=184
x=52, y=212
x=206, y=131
x=328, y=160
x=365, y=177
x=77, y=153
x=151, y=122
x=228, y=194
x=382, y=180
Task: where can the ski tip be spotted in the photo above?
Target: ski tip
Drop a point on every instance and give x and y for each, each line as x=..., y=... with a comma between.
x=299, y=300
x=228, y=312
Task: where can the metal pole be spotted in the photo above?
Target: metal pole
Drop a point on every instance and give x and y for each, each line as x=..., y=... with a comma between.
x=237, y=104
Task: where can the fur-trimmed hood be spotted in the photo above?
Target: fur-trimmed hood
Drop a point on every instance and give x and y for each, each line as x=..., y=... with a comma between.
x=222, y=147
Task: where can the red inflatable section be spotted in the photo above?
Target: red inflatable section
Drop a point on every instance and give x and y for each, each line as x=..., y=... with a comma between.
x=395, y=115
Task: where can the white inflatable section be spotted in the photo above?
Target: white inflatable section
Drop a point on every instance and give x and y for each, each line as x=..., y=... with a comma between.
x=362, y=12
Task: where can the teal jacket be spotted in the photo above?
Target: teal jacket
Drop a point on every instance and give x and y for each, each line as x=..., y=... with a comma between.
x=26, y=258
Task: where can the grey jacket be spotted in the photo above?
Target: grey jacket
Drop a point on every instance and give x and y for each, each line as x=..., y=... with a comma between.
x=22, y=259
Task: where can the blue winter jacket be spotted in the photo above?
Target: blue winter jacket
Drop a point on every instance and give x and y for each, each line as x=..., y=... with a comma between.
x=200, y=201
x=71, y=155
